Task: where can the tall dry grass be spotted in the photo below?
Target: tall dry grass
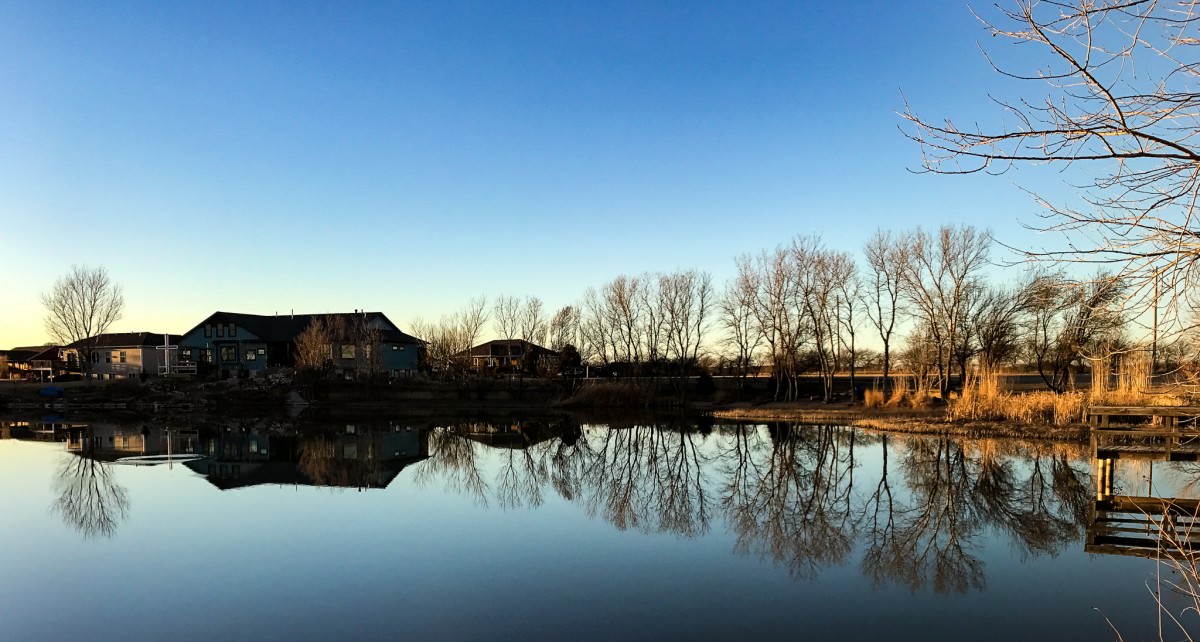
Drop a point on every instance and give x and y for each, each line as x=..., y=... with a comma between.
x=1134, y=384
x=900, y=396
x=874, y=398
x=984, y=398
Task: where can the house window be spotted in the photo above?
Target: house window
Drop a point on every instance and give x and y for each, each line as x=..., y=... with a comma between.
x=108, y=357
x=95, y=357
x=220, y=329
x=348, y=351
x=122, y=357
x=262, y=351
x=228, y=354
x=395, y=347
x=251, y=355
x=207, y=330
x=206, y=355
x=232, y=330
x=185, y=355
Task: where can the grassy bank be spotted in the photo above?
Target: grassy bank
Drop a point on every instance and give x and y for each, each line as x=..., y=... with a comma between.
x=908, y=420
x=983, y=408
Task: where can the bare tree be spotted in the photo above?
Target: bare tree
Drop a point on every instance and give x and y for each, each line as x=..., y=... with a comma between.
x=685, y=299
x=449, y=339
x=1070, y=322
x=471, y=319
x=1117, y=93
x=736, y=316
x=885, y=257
x=622, y=297
x=368, y=341
x=563, y=328
x=849, y=296
x=997, y=322
x=81, y=307
x=313, y=349
x=507, y=312
x=532, y=324
x=597, y=328
x=937, y=278
x=817, y=272
x=776, y=310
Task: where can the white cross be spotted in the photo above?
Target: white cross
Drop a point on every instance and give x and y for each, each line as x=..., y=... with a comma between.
x=166, y=347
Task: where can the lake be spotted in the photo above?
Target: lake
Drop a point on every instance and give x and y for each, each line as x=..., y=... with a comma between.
x=555, y=529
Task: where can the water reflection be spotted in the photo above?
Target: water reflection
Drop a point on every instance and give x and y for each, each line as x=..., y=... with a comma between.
x=790, y=494
x=913, y=512
x=89, y=498
x=341, y=456
x=1132, y=512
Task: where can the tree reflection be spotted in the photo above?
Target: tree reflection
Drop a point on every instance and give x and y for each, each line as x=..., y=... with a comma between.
x=938, y=531
x=648, y=478
x=454, y=459
x=787, y=492
x=340, y=460
x=884, y=557
x=89, y=499
x=794, y=507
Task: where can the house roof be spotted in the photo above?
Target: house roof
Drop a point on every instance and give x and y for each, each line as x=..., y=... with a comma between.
x=129, y=340
x=289, y=474
x=48, y=353
x=23, y=354
x=285, y=328
x=504, y=348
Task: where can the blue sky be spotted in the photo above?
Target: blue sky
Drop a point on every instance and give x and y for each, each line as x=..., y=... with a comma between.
x=405, y=157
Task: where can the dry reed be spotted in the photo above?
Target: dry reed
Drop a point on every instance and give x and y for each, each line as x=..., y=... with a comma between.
x=874, y=398
x=984, y=399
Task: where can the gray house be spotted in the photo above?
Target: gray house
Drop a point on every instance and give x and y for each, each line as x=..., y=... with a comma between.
x=126, y=355
x=236, y=344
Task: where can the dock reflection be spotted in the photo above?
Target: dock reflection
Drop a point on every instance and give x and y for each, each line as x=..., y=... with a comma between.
x=1131, y=513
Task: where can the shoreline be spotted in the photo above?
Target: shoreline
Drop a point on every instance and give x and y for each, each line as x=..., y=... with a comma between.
x=913, y=421
x=483, y=397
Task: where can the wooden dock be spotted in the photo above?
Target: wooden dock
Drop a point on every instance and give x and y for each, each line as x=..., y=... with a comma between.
x=1178, y=443
x=1104, y=416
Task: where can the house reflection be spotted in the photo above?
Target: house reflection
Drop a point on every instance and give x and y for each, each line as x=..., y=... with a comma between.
x=102, y=440
x=348, y=456
x=45, y=428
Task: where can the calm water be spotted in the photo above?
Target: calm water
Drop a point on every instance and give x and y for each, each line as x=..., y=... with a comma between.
x=554, y=530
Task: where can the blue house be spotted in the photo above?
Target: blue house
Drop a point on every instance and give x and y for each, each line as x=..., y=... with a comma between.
x=236, y=344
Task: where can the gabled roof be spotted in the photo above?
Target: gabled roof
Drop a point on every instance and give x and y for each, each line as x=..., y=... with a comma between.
x=49, y=353
x=282, y=473
x=282, y=328
x=505, y=348
x=129, y=340
x=23, y=354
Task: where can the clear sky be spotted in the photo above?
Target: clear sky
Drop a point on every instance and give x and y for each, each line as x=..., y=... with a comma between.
x=263, y=157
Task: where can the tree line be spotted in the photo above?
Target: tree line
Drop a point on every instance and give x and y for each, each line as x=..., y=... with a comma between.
x=920, y=300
